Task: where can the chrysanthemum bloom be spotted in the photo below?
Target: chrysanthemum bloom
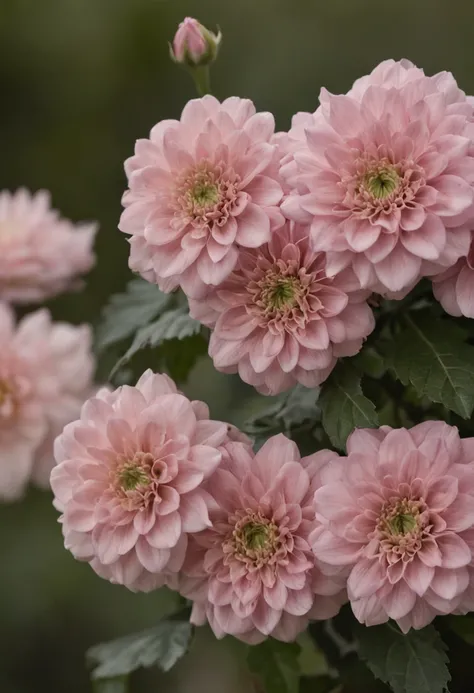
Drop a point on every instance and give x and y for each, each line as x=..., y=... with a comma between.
x=454, y=288
x=129, y=480
x=385, y=176
x=399, y=512
x=41, y=254
x=278, y=319
x=199, y=189
x=45, y=376
x=253, y=573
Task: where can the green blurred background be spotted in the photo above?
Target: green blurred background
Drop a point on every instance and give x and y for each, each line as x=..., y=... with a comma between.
x=80, y=80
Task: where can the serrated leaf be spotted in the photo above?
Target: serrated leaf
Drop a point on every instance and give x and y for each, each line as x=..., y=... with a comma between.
x=344, y=406
x=276, y=665
x=162, y=646
x=412, y=663
x=432, y=355
x=172, y=324
x=127, y=312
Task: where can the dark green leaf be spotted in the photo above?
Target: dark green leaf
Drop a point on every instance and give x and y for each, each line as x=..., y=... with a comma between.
x=129, y=311
x=463, y=626
x=432, y=355
x=344, y=406
x=172, y=324
x=179, y=356
x=276, y=665
x=412, y=663
x=162, y=646
x=369, y=361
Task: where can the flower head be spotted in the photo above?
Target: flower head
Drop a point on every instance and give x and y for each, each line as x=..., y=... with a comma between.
x=200, y=189
x=193, y=44
x=384, y=176
x=399, y=513
x=278, y=319
x=253, y=574
x=45, y=376
x=129, y=480
x=41, y=254
x=454, y=288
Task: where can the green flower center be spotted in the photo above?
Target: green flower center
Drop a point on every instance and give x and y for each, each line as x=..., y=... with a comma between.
x=205, y=194
x=382, y=183
x=255, y=535
x=283, y=293
x=131, y=476
x=402, y=523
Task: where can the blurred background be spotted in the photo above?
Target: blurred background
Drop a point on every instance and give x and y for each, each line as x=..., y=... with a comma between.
x=80, y=81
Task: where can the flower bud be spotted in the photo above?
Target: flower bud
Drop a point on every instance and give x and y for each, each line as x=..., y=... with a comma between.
x=194, y=45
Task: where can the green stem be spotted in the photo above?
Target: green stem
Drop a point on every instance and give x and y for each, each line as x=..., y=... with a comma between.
x=202, y=79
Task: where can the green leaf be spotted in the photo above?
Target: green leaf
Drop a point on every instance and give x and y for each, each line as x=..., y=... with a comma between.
x=172, y=324
x=432, y=355
x=463, y=626
x=162, y=646
x=129, y=311
x=412, y=663
x=283, y=413
x=276, y=665
x=344, y=406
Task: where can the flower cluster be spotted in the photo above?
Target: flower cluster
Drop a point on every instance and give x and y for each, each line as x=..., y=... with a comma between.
x=153, y=492
x=279, y=239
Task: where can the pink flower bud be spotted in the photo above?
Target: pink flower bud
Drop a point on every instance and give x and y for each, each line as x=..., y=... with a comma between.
x=193, y=44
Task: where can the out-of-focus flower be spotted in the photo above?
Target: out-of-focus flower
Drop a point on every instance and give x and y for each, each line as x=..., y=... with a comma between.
x=253, y=574
x=385, y=176
x=41, y=254
x=199, y=190
x=129, y=480
x=278, y=319
x=454, y=288
x=193, y=44
x=45, y=376
x=399, y=512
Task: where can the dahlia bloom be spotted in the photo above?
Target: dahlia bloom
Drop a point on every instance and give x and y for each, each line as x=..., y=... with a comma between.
x=45, y=375
x=399, y=512
x=253, y=574
x=278, y=319
x=128, y=480
x=385, y=176
x=200, y=189
x=41, y=254
x=454, y=288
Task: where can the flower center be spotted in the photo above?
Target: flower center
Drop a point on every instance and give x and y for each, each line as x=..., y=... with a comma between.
x=402, y=523
x=204, y=194
x=131, y=475
x=8, y=400
x=282, y=293
x=255, y=540
x=381, y=182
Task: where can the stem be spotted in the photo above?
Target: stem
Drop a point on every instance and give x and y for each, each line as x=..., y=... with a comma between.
x=202, y=79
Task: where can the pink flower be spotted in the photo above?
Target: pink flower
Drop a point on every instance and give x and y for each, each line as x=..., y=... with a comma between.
x=385, y=176
x=399, y=513
x=278, y=319
x=45, y=375
x=253, y=574
x=41, y=254
x=129, y=480
x=193, y=44
x=454, y=288
x=200, y=189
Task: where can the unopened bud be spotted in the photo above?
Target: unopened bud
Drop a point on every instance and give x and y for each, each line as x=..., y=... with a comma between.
x=194, y=45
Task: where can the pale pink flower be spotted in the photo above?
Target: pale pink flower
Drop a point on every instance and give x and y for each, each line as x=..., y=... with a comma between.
x=279, y=320
x=385, y=176
x=193, y=44
x=41, y=254
x=45, y=375
x=200, y=189
x=399, y=512
x=129, y=480
x=454, y=288
x=253, y=573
